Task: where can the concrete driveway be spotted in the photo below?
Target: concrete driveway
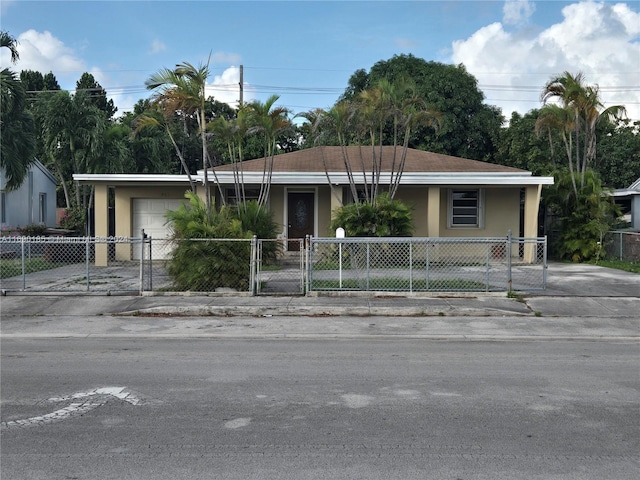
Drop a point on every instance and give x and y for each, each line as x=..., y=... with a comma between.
x=584, y=280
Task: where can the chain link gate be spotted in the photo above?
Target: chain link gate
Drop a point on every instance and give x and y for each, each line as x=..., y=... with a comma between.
x=280, y=271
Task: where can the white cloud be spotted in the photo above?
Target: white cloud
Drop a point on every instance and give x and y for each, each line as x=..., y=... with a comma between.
x=157, y=46
x=517, y=12
x=226, y=87
x=598, y=39
x=42, y=52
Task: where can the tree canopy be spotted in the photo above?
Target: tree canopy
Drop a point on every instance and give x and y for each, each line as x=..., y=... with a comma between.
x=17, y=134
x=469, y=127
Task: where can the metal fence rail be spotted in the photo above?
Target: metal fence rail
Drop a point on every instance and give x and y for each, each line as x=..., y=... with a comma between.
x=262, y=267
x=623, y=245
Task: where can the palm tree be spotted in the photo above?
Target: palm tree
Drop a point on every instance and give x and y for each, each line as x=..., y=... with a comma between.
x=149, y=120
x=336, y=123
x=387, y=107
x=271, y=122
x=182, y=91
x=579, y=111
x=233, y=132
x=11, y=43
x=74, y=130
x=17, y=128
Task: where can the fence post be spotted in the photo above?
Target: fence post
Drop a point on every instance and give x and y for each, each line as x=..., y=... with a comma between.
x=410, y=266
x=307, y=264
x=141, y=261
x=368, y=264
x=253, y=265
x=24, y=277
x=86, y=261
x=621, y=243
x=546, y=265
x=150, y=264
x=427, y=260
x=488, y=260
x=508, y=253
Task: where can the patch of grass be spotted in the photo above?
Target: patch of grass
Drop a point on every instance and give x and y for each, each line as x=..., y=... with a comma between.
x=633, y=267
x=13, y=267
x=402, y=284
x=516, y=296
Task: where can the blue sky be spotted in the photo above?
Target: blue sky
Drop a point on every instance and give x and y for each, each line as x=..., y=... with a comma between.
x=305, y=51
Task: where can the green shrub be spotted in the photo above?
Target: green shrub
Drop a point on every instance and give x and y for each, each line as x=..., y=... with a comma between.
x=259, y=221
x=583, y=221
x=74, y=220
x=33, y=230
x=200, y=264
x=385, y=218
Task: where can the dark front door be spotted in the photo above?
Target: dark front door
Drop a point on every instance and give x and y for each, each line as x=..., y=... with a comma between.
x=300, y=217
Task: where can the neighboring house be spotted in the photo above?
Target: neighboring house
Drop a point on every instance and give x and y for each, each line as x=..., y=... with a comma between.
x=450, y=196
x=33, y=203
x=629, y=201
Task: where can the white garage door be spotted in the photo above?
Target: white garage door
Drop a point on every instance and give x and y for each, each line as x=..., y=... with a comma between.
x=149, y=215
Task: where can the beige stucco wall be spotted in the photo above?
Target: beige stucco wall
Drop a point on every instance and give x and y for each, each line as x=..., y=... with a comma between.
x=429, y=208
x=417, y=198
x=324, y=212
x=501, y=214
x=277, y=205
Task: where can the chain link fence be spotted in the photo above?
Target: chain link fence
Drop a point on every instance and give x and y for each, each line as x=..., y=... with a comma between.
x=427, y=264
x=69, y=264
x=271, y=267
x=621, y=245
x=199, y=265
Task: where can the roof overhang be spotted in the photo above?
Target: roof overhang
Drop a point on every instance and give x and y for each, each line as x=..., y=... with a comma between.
x=132, y=179
x=321, y=178
x=341, y=178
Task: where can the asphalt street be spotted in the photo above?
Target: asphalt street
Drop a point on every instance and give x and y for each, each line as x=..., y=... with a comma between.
x=485, y=386
x=230, y=408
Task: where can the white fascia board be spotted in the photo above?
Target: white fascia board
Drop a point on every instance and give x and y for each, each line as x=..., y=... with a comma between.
x=340, y=178
x=625, y=193
x=475, y=179
x=130, y=178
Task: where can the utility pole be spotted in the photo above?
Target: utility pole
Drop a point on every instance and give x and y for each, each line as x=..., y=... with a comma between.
x=241, y=83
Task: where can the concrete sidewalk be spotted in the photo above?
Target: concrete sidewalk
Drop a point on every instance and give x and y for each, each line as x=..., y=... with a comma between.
x=581, y=301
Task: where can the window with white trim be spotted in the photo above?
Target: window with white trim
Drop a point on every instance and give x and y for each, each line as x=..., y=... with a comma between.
x=465, y=208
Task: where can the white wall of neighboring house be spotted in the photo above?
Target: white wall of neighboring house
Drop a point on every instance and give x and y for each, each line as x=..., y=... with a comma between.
x=632, y=195
x=33, y=203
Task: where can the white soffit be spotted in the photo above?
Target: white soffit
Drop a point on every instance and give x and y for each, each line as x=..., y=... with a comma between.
x=131, y=178
x=320, y=178
x=316, y=178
